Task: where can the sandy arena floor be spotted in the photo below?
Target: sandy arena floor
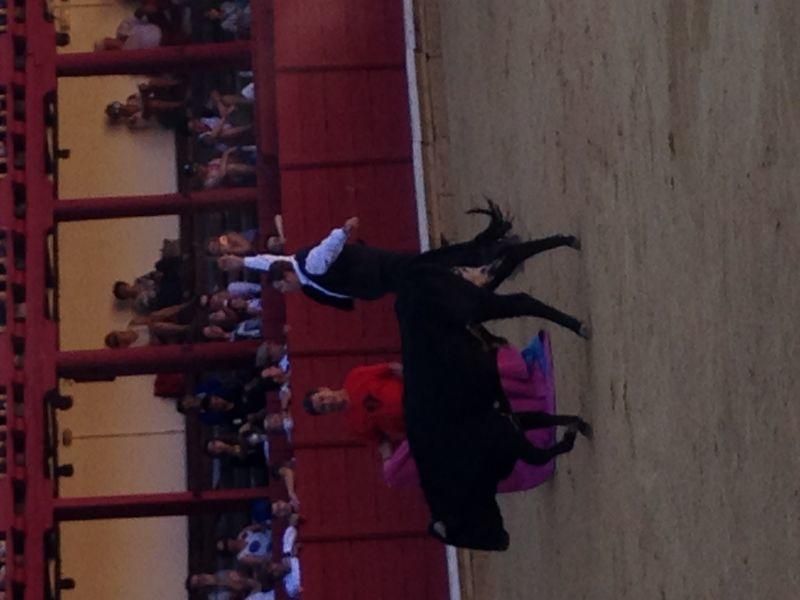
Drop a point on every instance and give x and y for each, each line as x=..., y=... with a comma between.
x=665, y=133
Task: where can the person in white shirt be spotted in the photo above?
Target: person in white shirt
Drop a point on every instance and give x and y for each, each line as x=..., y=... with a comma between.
x=334, y=272
x=132, y=34
x=252, y=546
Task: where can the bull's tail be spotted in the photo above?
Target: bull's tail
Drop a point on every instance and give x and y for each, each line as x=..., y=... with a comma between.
x=499, y=223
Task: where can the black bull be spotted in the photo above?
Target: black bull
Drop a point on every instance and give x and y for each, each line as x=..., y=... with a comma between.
x=460, y=430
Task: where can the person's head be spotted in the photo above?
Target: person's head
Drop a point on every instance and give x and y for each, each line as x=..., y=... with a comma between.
x=213, y=14
x=116, y=110
x=123, y=290
x=281, y=509
x=198, y=581
x=275, y=244
x=62, y=39
x=121, y=339
x=325, y=401
x=281, y=275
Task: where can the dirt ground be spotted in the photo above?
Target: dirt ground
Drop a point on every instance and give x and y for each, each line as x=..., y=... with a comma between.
x=665, y=133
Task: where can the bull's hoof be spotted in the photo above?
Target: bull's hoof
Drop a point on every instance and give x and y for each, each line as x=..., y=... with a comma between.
x=585, y=331
x=585, y=429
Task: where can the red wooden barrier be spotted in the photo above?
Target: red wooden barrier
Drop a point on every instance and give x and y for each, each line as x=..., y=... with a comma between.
x=84, y=209
x=345, y=150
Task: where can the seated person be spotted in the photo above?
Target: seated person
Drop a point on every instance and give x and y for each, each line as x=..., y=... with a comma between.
x=214, y=130
x=133, y=33
x=160, y=99
x=147, y=334
x=245, y=452
x=249, y=329
x=245, y=97
x=233, y=17
x=155, y=290
x=169, y=325
x=252, y=547
x=245, y=297
x=228, y=403
x=236, y=166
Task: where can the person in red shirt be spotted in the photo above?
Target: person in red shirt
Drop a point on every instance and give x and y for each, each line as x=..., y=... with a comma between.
x=371, y=398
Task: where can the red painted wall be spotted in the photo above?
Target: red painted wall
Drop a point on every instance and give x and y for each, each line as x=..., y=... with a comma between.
x=345, y=149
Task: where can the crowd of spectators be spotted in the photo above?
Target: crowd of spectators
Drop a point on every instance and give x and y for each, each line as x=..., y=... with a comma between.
x=230, y=407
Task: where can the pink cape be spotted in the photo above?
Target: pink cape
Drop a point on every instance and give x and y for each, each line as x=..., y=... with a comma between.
x=526, y=391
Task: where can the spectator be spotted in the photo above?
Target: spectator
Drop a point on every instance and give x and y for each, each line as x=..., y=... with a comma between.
x=228, y=403
x=152, y=334
x=132, y=34
x=252, y=547
x=214, y=130
x=236, y=166
x=158, y=100
x=234, y=18
x=155, y=290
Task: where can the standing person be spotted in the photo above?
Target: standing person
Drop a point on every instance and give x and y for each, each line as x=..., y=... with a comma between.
x=371, y=400
x=332, y=272
x=132, y=34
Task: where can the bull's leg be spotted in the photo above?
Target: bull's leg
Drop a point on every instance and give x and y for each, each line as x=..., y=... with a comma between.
x=539, y=420
x=532, y=455
x=507, y=306
x=516, y=254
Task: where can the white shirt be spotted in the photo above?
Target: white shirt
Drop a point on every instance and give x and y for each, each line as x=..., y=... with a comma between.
x=257, y=544
x=138, y=35
x=289, y=538
x=292, y=580
x=143, y=333
x=245, y=289
x=318, y=261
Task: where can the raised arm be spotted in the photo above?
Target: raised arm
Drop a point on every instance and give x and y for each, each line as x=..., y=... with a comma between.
x=286, y=472
x=321, y=258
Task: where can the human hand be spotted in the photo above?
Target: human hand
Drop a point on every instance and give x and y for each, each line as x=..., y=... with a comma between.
x=350, y=225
